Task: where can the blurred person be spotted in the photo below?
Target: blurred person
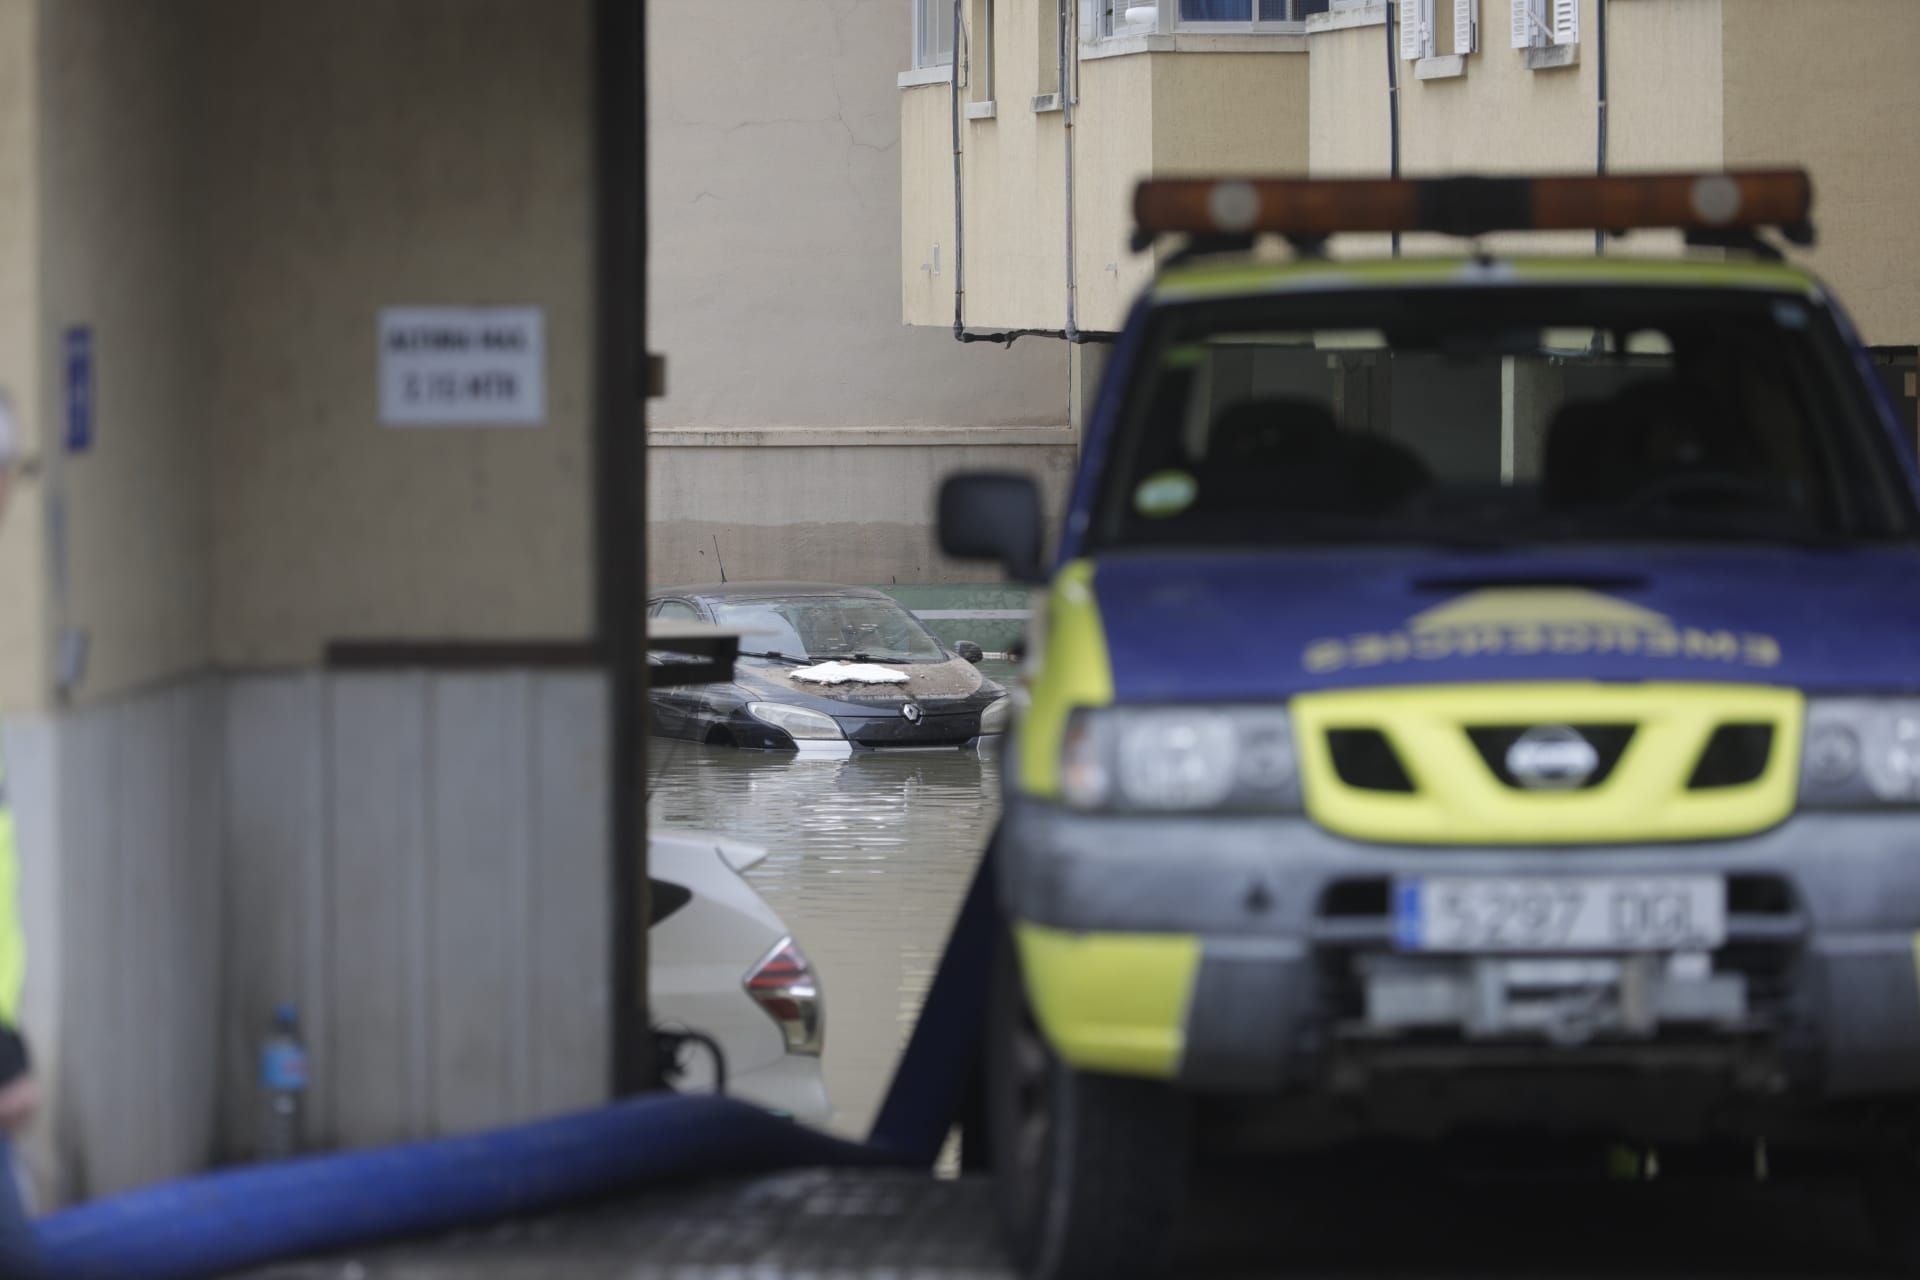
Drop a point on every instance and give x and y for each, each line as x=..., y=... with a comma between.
x=19, y=1095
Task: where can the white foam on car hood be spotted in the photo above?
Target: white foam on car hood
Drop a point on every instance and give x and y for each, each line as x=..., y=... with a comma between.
x=849, y=673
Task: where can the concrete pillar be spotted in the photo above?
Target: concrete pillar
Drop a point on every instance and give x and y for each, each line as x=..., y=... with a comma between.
x=23, y=620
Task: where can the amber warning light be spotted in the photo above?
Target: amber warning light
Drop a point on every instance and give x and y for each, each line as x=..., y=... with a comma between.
x=1311, y=209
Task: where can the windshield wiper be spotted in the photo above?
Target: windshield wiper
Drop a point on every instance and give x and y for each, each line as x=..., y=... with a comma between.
x=777, y=656
x=861, y=655
x=1703, y=527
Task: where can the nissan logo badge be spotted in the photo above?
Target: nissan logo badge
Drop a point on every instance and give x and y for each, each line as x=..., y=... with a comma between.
x=912, y=712
x=1552, y=757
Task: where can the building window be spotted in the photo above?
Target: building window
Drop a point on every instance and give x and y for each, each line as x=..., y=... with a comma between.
x=932, y=33
x=1143, y=17
x=1458, y=33
x=1124, y=17
x=981, y=48
x=1416, y=29
x=1255, y=11
x=1541, y=23
x=1049, y=33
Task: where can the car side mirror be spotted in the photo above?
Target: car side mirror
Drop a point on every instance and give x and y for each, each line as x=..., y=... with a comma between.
x=969, y=650
x=993, y=515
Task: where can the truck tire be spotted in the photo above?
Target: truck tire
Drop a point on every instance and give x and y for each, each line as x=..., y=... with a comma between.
x=1090, y=1171
x=1891, y=1199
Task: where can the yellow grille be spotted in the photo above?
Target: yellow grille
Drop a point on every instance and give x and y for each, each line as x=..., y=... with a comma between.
x=1457, y=798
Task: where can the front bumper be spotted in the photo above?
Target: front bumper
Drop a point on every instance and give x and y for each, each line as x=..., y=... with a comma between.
x=892, y=731
x=1244, y=937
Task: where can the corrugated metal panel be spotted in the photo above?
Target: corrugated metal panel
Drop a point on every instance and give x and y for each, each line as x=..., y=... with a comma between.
x=436, y=846
x=119, y=841
x=570, y=916
x=419, y=861
x=480, y=784
x=377, y=1081
x=275, y=872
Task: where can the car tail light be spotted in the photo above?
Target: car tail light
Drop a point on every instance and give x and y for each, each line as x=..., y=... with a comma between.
x=783, y=984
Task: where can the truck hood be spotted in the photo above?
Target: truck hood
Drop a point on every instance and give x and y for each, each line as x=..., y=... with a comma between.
x=1213, y=626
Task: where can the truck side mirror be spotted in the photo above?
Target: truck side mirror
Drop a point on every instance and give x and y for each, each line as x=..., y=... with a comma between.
x=969, y=650
x=993, y=515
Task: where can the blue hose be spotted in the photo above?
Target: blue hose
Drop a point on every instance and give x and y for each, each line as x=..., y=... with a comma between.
x=239, y=1218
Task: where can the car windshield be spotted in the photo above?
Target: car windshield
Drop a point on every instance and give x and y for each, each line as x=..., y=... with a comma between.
x=860, y=628
x=1490, y=416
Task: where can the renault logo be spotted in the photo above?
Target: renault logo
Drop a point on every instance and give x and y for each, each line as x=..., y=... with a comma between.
x=1552, y=757
x=912, y=712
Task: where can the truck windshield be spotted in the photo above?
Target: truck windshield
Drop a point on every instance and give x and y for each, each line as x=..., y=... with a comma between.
x=1500, y=415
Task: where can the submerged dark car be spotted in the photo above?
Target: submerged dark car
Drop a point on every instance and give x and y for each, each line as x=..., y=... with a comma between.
x=818, y=629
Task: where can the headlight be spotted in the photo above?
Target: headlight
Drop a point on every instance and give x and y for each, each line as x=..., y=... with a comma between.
x=1861, y=751
x=797, y=723
x=994, y=719
x=1180, y=759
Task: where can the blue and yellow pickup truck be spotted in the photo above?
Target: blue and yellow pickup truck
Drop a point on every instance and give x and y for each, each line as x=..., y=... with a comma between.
x=1472, y=694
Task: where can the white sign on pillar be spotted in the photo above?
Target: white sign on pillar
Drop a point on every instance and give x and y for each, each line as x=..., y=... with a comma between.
x=463, y=366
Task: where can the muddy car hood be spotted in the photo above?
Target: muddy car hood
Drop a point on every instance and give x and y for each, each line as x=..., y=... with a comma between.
x=954, y=680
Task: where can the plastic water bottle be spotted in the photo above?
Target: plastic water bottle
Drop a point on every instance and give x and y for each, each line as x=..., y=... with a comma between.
x=283, y=1085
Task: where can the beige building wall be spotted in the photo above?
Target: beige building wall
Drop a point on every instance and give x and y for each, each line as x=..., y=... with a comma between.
x=1167, y=106
x=926, y=205
x=1499, y=116
x=1665, y=104
x=1494, y=114
x=1833, y=87
x=1014, y=177
x=130, y=575
x=1114, y=146
x=1348, y=129
x=769, y=505
x=23, y=622
x=1692, y=83
x=805, y=429
x=436, y=152
x=774, y=158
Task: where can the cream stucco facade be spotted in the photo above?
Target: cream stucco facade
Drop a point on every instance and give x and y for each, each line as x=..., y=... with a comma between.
x=1691, y=83
x=803, y=427
x=1140, y=109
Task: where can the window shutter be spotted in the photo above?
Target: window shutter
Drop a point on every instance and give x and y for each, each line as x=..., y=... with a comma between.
x=1566, y=21
x=1522, y=23
x=1463, y=25
x=1413, y=29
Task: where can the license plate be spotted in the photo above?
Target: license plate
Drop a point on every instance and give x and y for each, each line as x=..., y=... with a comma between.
x=1613, y=913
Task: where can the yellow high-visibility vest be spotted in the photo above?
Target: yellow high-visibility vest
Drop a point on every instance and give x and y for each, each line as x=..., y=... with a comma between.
x=13, y=942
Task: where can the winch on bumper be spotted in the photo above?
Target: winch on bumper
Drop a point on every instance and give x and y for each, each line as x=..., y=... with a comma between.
x=1257, y=954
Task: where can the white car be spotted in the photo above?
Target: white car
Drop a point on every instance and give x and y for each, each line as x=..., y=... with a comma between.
x=725, y=966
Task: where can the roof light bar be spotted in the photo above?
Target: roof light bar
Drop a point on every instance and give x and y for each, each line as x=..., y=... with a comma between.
x=1313, y=208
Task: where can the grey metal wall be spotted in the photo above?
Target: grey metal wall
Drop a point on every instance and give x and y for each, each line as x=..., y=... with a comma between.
x=118, y=811
x=419, y=861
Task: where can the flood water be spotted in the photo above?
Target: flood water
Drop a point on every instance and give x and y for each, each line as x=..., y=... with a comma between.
x=868, y=859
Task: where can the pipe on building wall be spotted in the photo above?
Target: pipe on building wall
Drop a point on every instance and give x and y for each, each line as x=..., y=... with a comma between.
x=963, y=56
x=1393, y=108
x=1600, y=113
x=1069, y=49
x=959, y=239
